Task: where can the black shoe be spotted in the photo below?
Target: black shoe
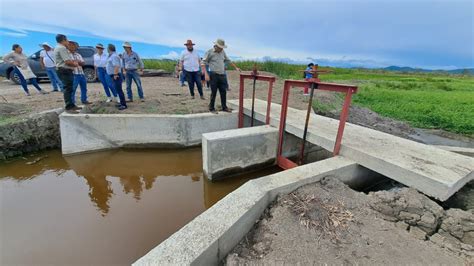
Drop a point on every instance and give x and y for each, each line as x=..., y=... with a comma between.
x=228, y=110
x=214, y=111
x=118, y=105
x=122, y=107
x=86, y=102
x=75, y=108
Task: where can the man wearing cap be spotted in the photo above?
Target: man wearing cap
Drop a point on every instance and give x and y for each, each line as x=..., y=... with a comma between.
x=100, y=61
x=132, y=62
x=216, y=59
x=113, y=68
x=189, y=63
x=79, y=77
x=47, y=62
x=65, y=65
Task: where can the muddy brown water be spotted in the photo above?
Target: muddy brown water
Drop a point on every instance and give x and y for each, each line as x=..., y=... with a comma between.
x=102, y=208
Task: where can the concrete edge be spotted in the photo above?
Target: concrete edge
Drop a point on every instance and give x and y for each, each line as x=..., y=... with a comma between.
x=188, y=135
x=208, y=238
x=461, y=150
x=246, y=131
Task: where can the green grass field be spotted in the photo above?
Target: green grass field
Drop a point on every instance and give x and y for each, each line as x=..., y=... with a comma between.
x=425, y=100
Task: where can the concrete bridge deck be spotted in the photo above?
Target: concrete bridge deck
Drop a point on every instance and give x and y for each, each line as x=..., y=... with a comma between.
x=433, y=171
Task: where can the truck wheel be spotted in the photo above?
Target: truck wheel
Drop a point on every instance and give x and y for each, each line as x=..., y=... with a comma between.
x=90, y=74
x=14, y=77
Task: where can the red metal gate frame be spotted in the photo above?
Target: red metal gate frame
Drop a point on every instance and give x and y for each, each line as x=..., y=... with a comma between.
x=270, y=79
x=286, y=163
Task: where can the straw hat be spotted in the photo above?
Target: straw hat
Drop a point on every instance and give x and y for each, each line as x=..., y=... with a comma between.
x=45, y=44
x=127, y=44
x=189, y=42
x=220, y=43
x=100, y=46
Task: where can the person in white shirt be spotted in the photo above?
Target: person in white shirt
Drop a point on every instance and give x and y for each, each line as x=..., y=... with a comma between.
x=189, y=64
x=78, y=72
x=47, y=62
x=100, y=61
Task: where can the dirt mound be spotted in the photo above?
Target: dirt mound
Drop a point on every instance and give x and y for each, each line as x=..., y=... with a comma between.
x=329, y=223
x=11, y=109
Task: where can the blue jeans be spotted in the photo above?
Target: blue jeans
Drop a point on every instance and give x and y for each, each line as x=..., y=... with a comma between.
x=117, y=83
x=194, y=77
x=106, y=82
x=23, y=83
x=133, y=74
x=82, y=82
x=53, y=77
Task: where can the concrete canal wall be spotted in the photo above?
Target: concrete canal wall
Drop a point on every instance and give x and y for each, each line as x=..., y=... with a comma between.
x=93, y=132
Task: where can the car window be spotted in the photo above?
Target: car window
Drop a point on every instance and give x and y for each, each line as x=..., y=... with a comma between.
x=37, y=54
x=85, y=52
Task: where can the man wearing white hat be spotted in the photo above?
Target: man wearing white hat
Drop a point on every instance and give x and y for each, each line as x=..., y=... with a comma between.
x=47, y=62
x=132, y=63
x=216, y=59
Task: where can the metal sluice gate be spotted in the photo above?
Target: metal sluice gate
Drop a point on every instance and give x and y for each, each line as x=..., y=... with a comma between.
x=315, y=84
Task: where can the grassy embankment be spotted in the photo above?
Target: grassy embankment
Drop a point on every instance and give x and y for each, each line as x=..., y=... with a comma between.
x=425, y=100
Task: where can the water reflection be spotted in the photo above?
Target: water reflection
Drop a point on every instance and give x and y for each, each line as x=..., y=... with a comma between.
x=137, y=170
x=114, y=205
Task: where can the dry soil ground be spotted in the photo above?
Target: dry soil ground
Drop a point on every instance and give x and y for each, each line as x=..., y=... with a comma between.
x=328, y=223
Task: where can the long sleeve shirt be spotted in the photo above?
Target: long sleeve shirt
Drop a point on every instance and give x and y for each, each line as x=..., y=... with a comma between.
x=132, y=61
x=216, y=61
x=100, y=60
x=78, y=57
x=16, y=58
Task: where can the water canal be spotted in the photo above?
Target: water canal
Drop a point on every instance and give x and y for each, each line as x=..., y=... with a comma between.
x=101, y=208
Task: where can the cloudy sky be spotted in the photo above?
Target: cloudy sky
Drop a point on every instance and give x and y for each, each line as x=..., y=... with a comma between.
x=371, y=33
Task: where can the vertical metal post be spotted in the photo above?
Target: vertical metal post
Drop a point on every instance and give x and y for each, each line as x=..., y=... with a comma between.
x=305, y=132
x=269, y=102
x=253, y=100
x=342, y=121
x=284, y=108
x=241, y=103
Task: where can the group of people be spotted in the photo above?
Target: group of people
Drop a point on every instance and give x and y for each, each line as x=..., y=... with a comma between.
x=210, y=68
x=64, y=67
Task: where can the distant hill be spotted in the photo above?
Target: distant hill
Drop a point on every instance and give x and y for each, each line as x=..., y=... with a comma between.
x=469, y=71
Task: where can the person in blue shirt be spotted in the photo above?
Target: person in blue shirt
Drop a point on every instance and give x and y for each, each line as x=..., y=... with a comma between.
x=113, y=68
x=132, y=63
x=308, y=75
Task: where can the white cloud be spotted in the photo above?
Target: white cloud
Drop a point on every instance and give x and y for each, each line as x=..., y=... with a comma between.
x=171, y=55
x=363, y=31
x=18, y=34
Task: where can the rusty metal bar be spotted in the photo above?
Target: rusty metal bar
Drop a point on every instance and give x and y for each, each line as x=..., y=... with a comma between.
x=308, y=113
x=342, y=122
x=284, y=162
x=254, y=76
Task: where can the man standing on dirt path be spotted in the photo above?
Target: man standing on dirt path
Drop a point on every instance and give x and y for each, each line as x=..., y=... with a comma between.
x=79, y=77
x=100, y=60
x=47, y=62
x=65, y=65
x=113, y=68
x=132, y=62
x=190, y=63
x=216, y=59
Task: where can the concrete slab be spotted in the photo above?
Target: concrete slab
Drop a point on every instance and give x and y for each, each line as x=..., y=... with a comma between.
x=92, y=132
x=433, y=171
x=232, y=151
x=208, y=238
